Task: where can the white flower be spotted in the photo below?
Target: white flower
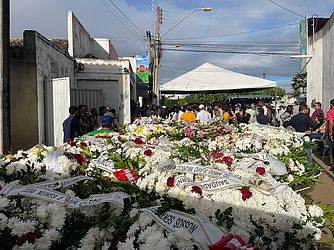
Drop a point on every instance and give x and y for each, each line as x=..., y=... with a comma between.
x=127, y=245
x=183, y=239
x=4, y=202
x=92, y=239
x=20, y=227
x=290, y=178
x=134, y=212
x=27, y=246
x=315, y=211
x=45, y=242
x=3, y=221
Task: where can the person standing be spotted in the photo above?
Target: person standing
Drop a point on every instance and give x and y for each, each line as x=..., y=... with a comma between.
x=85, y=119
x=261, y=117
x=330, y=129
x=286, y=116
x=252, y=112
x=106, y=126
x=102, y=111
x=203, y=116
x=317, y=111
x=176, y=115
x=188, y=116
x=71, y=126
x=302, y=122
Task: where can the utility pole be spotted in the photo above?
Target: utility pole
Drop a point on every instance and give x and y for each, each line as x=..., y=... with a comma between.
x=4, y=78
x=148, y=43
x=157, y=54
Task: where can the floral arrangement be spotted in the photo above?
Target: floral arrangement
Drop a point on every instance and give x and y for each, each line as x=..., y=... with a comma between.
x=160, y=184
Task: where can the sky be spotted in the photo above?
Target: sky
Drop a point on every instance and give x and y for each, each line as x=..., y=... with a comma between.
x=232, y=25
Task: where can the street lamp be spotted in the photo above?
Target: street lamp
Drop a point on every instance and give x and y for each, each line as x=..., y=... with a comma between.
x=207, y=9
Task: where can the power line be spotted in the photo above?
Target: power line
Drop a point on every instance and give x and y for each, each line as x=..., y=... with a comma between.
x=284, y=8
x=233, y=52
x=230, y=44
x=233, y=34
x=127, y=26
x=126, y=17
x=149, y=7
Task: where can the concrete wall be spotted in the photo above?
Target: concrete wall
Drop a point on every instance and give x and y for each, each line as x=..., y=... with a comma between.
x=320, y=70
x=116, y=83
x=314, y=72
x=328, y=63
x=103, y=49
x=23, y=98
x=78, y=38
x=51, y=63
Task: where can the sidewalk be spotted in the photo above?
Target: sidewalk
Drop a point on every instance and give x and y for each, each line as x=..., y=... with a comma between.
x=324, y=165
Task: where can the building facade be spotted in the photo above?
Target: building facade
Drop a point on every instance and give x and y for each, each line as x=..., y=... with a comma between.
x=320, y=69
x=49, y=75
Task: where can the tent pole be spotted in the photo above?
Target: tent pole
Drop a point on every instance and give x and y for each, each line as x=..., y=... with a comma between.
x=276, y=101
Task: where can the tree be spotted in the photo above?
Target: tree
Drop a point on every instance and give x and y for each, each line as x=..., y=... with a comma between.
x=299, y=83
x=219, y=98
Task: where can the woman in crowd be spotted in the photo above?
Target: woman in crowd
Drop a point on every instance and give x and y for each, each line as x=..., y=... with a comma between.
x=286, y=116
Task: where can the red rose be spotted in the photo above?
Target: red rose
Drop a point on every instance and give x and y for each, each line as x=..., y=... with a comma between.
x=139, y=141
x=246, y=193
x=197, y=189
x=80, y=158
x=28, y=237
x=260, y=170
x=170, y=181
x=228, y=160
x=84, y=144
x=71, y=142
x=264, y=142
x=148, y=152
x=122, y=238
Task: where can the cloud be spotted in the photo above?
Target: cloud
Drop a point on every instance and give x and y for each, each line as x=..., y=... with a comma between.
x=49, y=17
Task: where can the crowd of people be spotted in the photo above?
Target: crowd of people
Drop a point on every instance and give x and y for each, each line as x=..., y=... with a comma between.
x=82, y=122
x=296, y=117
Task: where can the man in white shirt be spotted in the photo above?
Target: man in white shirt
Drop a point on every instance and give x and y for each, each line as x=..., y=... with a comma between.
x=176, y=115
x=203, y=116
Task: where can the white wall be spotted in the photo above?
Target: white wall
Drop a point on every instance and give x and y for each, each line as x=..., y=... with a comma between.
x=104, y=74
x=320, y=70
x=314, y=69
x=328, y=63
x=78, y=38
x=81, y=44
x=50, y=63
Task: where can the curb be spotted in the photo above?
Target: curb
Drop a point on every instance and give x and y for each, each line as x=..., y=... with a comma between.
x=324, y=166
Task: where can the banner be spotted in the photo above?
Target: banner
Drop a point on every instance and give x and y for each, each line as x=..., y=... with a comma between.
x=44, y=191
x=169, y=165
x=73, y=202
x=201, y=229
x=182, y=181
x=142, y=70
x=104, y=163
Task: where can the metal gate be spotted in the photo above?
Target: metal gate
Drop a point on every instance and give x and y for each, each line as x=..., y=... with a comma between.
x=91, y=98
x=57, y=102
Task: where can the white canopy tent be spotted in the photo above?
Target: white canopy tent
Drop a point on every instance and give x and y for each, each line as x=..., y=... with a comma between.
x=211, y=78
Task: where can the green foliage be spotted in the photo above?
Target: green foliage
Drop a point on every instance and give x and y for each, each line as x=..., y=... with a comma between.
x=225, y=218
x=219, y=98
x=299, y=82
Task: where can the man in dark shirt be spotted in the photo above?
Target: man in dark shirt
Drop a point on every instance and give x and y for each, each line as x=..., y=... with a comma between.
x=261, y=118
x=71, y=126
x=302, y=122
